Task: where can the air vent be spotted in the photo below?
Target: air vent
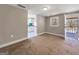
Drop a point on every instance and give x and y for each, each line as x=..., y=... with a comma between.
x=21, y=6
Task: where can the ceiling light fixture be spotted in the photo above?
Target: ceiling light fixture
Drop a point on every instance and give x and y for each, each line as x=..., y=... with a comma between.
x=45, y=8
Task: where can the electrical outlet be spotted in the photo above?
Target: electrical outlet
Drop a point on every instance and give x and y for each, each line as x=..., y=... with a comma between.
x=12, y=36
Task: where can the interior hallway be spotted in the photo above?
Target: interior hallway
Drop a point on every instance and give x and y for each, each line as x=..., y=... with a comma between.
x=45, y=44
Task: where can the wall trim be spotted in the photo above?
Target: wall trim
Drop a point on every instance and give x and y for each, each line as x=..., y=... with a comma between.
x=41, y=33
x=16, y=41
x=38, y=34
x=25, y=38
x=51, y=34
x=13, y=42
x=55, y=34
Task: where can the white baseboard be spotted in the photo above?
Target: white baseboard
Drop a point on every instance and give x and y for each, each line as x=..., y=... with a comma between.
x=13, y=42
x=16, y=41
x=51, y=34
x=22, y=39
x=55, y=34
x=41, y=33
x=36, y=35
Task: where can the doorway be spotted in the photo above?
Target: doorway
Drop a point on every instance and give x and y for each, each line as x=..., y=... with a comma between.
x=71, y=27
x=32, y=27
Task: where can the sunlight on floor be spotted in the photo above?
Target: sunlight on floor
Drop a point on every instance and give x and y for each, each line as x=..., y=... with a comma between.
x=32, y=32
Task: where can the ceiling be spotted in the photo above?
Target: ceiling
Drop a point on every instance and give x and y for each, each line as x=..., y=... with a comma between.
x=53, y=9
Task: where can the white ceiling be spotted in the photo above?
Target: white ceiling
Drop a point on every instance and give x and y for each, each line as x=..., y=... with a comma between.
x=52, y=8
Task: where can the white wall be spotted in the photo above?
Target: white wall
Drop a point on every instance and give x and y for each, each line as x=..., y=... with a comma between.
x=40, y=24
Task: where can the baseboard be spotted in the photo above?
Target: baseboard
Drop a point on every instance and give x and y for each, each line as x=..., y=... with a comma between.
x=55, y=34
x=22, y=39
x=13, y=42
x=38, y=35
x=41, y=33
x=51, y=34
